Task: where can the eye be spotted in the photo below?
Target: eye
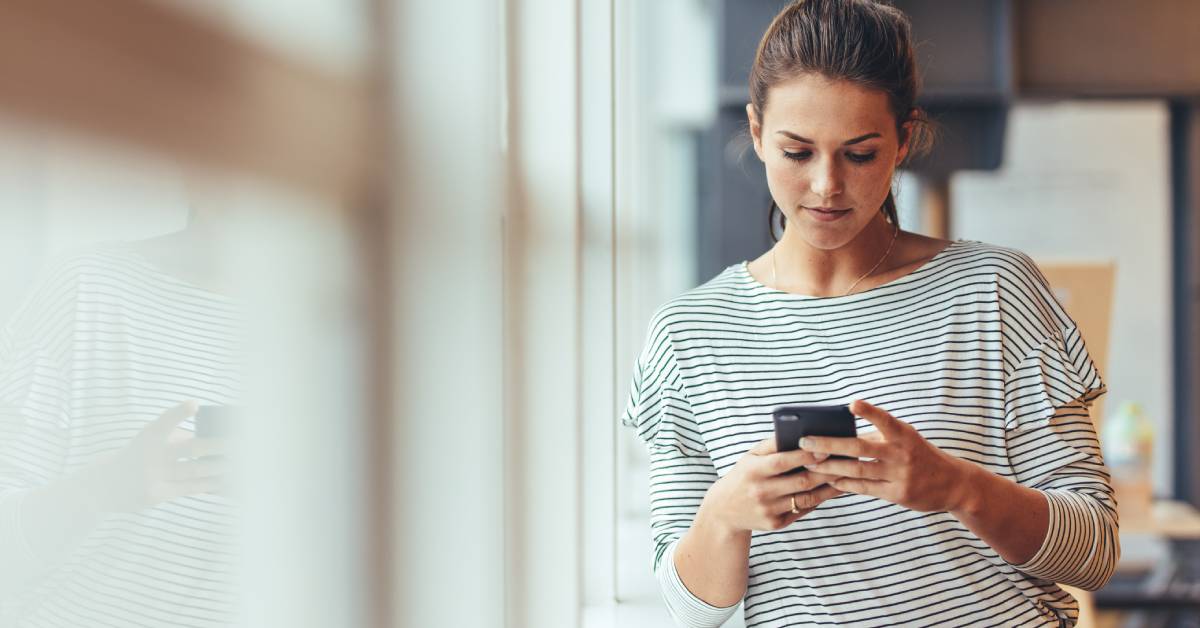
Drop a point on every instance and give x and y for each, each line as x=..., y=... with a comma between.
x=797, y=156
x=861, y=158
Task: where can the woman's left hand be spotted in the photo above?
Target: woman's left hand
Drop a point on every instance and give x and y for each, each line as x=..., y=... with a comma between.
x=903, y=468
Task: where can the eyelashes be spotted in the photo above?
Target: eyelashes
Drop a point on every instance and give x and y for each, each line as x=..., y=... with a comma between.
x=858, y=158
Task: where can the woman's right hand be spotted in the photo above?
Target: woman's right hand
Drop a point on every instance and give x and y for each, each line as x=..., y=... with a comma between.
x=757, y=495
x=161, y=463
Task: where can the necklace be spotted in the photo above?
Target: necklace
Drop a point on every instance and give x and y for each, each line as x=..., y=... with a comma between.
x=895, y=232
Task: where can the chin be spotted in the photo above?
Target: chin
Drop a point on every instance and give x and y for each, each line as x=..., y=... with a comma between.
x=829, y=238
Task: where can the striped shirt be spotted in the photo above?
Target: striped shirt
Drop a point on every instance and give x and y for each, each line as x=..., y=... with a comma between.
x=103, y=346
x=972, y=349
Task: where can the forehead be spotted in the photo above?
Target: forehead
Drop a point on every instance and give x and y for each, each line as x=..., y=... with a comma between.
x=832, y=110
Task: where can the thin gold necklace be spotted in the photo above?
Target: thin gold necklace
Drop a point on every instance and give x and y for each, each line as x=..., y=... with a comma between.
x=895, y=232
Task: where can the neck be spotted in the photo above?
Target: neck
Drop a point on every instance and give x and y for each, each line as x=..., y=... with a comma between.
x=807, y=269
x=192, y=254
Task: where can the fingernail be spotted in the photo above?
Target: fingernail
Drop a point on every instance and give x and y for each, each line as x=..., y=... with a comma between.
x=805, y=443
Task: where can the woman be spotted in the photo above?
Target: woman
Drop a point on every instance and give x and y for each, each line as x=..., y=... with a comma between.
x=112, y=509
x=979, y=483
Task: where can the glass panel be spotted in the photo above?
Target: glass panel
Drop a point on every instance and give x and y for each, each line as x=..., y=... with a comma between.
x=181, y=395
x=331, y=33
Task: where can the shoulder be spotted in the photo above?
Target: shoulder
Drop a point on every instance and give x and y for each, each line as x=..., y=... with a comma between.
x=1007, y=264
x=99, y=261
x=1013, y=274
x=1023, y=293
x=55, y=290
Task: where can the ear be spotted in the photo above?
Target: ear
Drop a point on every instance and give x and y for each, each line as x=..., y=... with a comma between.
x=906, y=131
x=755, y=130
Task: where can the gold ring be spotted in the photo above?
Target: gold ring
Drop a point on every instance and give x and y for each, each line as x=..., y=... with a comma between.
x=795, y=511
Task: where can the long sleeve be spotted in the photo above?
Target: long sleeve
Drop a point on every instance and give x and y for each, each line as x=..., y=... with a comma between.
x=35, y=353
x=677, y=486
x=681, y=471
x=1063, y=461
x=1049, y=382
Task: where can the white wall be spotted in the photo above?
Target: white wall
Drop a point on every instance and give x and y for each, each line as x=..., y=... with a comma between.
x=1091, y=181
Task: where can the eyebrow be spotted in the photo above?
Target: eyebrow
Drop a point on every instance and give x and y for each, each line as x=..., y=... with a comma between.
x=861, y=138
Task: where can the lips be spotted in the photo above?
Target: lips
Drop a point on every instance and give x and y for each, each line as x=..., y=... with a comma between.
x=826, y=214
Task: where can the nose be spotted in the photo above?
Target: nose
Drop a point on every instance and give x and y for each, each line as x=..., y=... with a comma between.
x=826, y=179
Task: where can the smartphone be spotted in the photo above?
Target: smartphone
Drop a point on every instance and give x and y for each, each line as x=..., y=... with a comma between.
x=795, y=422
x=214, y=421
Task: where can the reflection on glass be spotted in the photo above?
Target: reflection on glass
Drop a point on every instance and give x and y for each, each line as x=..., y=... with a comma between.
x=113, y=510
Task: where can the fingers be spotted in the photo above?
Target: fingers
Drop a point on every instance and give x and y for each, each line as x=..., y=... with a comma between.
x=772, y=499
x=887, y=424
x=860, y=469
x=799, y=483
x=874, y=437
x=179, y=435
x=806, y=501
x=197, y=448
x=823, y=494
x=782, y=462
x=190, y=470
x=787, y=519
x=187, y=479
x=764, y=447
x=873, y=488
x=816, y=480
x=160, y=429
x=842, y=446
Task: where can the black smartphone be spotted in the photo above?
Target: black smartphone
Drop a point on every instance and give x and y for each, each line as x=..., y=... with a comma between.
x=214, y=421
x=795, y=422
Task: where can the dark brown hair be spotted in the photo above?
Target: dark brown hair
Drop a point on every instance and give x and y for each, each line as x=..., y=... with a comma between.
x=865, y=42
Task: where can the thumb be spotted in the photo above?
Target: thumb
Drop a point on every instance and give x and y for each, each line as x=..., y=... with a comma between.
x=764, y=447
x=888, y=425
x=161, y=428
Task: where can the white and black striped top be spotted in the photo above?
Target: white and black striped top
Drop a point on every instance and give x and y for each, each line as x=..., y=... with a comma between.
x=105, y=344
x=972, y=349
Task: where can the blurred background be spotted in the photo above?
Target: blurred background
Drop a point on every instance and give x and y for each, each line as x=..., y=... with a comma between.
x=406, y=253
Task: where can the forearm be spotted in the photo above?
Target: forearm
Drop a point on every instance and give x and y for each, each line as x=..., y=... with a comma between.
x=1012, y=519
x=713, y=561
x=1066, y=536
